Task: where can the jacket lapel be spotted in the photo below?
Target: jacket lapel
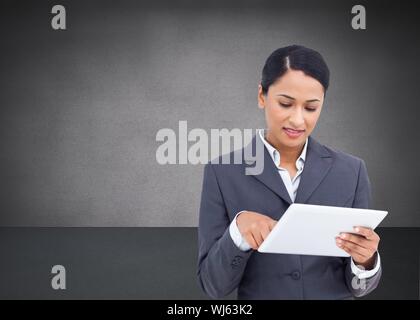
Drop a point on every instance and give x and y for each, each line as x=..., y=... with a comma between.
x=317, y=164
x=269, y=176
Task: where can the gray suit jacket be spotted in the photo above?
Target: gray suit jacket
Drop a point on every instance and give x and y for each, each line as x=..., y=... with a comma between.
x=329, y=177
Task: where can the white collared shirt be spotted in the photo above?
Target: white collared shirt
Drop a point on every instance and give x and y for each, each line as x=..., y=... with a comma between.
x=291, y=185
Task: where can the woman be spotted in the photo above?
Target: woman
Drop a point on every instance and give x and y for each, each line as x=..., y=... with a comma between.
x=238, y=211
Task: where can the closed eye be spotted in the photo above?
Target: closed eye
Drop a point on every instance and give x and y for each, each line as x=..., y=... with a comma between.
x=285, y=105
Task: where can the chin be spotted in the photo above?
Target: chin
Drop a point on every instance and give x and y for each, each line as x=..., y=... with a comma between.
x=295, y=143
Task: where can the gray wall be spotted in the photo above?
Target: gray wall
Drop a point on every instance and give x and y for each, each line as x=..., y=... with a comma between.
x=80, y=108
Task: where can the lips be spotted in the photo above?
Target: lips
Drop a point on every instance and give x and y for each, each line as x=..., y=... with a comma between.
x=292, y=130
x=293, y=134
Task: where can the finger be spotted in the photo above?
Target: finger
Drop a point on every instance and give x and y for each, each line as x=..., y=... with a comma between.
x=352, y=252
x=368, y=233
x=350, y=246
x=372, y=247
x=354, y=248
x=354, y=255
x=251, y=241
x=257, y=235
x=360, y=240
x=265, y=230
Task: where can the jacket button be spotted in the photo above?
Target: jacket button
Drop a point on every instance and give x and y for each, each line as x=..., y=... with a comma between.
x=295, y=275
x=236, y=262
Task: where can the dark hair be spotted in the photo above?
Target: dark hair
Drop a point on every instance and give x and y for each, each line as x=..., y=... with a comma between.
x=297, y=58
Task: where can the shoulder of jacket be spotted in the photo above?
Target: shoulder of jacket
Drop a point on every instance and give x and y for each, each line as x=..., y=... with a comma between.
x=344, y=158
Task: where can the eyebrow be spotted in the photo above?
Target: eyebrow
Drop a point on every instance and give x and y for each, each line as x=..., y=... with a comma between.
x=289, y=97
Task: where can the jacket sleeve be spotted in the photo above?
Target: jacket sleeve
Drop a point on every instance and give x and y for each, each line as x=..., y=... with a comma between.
x=362, y=199
x=220, y=262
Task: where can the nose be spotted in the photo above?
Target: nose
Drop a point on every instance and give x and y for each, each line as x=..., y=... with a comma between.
x=296, y=118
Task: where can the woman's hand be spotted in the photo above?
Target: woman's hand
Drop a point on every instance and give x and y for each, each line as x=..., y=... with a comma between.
x=254, y=227
x=361, y=245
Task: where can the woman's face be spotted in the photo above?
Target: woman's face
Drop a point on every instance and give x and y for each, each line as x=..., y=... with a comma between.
x=294, y=101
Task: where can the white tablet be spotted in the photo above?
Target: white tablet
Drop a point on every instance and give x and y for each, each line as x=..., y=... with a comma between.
x=311, y=229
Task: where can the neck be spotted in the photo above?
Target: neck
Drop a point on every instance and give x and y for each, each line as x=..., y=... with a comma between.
x=287, y=154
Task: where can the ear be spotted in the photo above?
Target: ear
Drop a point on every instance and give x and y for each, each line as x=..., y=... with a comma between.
x=261, y=97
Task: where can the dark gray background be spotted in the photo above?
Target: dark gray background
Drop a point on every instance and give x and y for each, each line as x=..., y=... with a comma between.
x=80, y=108
x=140, y=263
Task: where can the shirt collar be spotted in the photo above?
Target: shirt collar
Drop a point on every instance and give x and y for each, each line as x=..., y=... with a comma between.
x=275, y=155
